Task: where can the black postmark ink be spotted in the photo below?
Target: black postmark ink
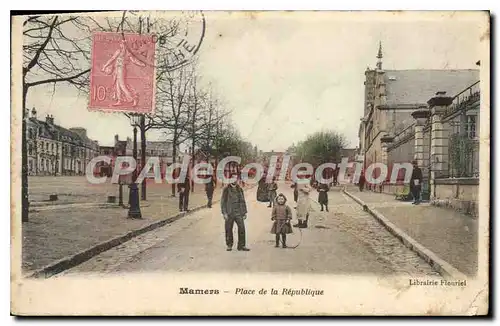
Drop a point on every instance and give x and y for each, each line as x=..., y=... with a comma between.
x=177, y=40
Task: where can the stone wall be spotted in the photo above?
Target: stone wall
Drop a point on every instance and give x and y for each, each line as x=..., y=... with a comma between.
x=392, y=189
x=457, y=193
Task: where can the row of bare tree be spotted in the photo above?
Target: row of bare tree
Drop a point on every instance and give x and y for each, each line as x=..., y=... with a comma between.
x=56, y=49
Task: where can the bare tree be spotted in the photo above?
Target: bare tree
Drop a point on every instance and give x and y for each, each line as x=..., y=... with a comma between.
x=53, y=52
x=172, y=114
x=196, y=99
x=56, y=49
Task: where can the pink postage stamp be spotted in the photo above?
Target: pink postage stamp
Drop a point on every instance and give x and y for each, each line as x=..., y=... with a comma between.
x=122, y=72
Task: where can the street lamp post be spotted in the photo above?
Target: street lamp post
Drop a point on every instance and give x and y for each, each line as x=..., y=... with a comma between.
x=120, y=184
x=143, y=153
x=134, y=209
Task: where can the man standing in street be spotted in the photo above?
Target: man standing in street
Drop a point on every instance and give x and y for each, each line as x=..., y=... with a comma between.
x=183, y=189
x=209, y=189
x=234, y=210
x=416, y=183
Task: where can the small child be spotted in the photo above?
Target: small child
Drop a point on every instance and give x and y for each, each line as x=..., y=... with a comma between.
x=272, y=189
x=323, y=195
x=281, y=215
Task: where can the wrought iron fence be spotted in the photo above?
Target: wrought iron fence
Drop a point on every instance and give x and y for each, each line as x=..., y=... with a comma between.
x=463, y=156
x=463, y=99
x=462, y=159
x=461, y=128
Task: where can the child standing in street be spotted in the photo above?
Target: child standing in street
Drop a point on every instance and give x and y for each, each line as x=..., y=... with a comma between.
x=323, y=195
x=281, y=215
x=272, y=189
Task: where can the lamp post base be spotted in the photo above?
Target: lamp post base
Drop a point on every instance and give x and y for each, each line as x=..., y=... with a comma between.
x=134, y=210
x=120, y=195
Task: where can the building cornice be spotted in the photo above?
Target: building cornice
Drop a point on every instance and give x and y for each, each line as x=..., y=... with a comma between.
x=400, y=106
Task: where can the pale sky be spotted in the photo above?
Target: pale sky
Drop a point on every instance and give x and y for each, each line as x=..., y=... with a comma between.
x=286, y=75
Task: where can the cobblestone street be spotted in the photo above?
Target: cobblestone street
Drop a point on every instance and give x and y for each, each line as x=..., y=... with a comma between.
x=346, y=240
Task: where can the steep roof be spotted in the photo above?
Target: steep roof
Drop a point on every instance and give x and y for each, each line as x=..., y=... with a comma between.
x=418, y=86
x=56, y=132
x=153, y=144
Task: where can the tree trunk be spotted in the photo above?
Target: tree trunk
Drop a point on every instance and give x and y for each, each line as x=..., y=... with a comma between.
x=174, y=156
x=192, y=163
x=24, y=169
x=143, y=154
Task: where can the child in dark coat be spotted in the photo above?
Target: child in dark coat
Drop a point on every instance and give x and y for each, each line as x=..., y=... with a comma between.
x=323, y=195
x=281, y=215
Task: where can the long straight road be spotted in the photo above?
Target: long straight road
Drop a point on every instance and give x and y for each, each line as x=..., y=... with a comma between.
x=345, y=240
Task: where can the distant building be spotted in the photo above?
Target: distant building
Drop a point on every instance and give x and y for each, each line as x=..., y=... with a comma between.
x=161, y=149
x=164, y=150
x=266, y=161
x=55, y=150
x=351, y=155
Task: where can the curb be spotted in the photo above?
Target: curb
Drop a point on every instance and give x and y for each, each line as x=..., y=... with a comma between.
x=43, y=208
x=438, y=264
x=86, y=254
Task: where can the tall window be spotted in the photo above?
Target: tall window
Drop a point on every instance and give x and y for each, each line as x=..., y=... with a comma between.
x=470, y=126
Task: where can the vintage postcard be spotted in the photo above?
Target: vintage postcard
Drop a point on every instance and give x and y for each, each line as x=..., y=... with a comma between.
x=250, y=163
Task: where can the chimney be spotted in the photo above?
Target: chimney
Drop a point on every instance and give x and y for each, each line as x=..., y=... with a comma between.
x=116, y=139
x=441, y=93
x=49, y=119
x=33, y=113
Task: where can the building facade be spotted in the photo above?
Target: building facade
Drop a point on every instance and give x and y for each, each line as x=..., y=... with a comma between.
x=391, y=96
x=432, y=117
x=55, y=150
x=162, y=149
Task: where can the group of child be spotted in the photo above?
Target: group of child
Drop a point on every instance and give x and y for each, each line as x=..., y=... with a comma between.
x=281, y=214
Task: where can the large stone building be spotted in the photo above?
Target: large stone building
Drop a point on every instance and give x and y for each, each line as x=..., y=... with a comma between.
x=54, y=150
x=163, y=149
x=391, y=96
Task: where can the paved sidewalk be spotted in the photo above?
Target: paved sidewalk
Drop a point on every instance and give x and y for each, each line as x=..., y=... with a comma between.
x=52, y=234
x=449, y=234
